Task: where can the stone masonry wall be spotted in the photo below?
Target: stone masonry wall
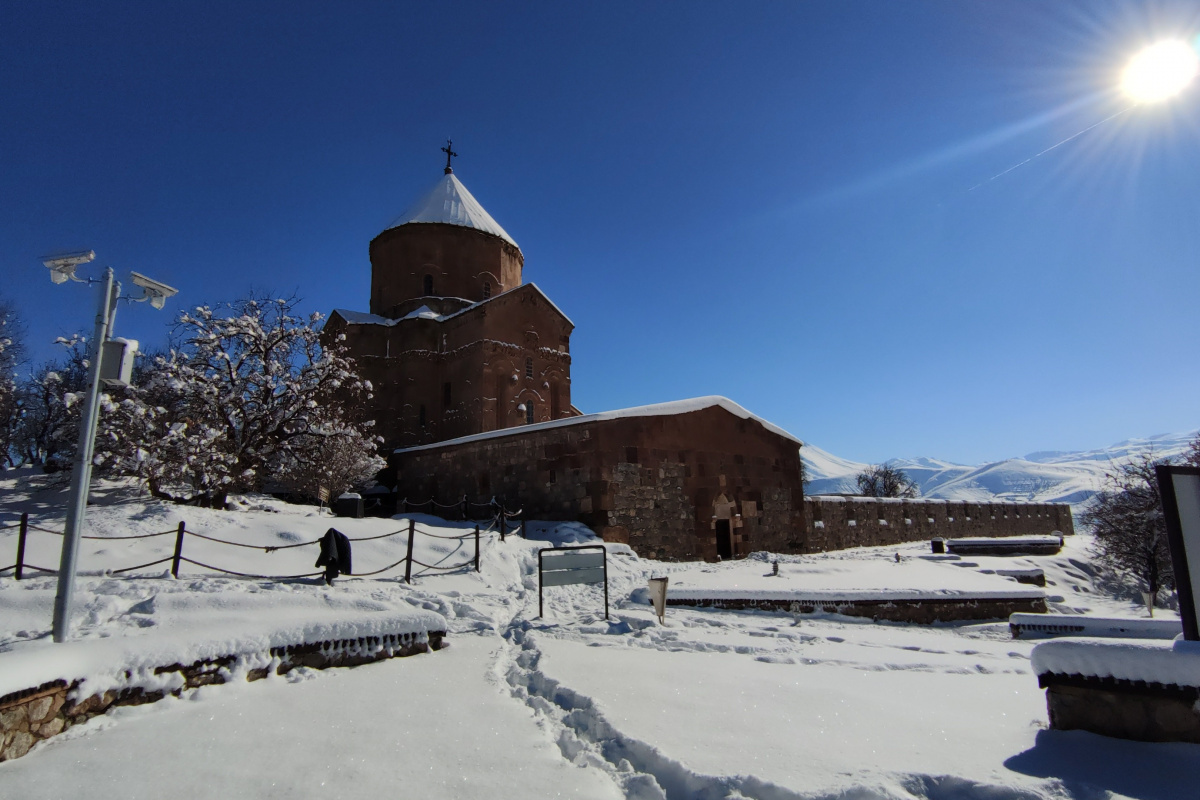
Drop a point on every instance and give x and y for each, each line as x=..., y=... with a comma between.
x=671, y=486
x=836, y=523
x=667, y=485
x=30, y=716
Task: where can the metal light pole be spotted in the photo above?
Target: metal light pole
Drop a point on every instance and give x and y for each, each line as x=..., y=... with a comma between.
x=62, y=268
x=82, y=477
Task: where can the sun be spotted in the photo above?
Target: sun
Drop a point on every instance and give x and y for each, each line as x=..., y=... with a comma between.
x=1161, y=71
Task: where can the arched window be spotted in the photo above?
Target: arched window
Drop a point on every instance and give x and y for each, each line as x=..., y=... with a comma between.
x=487, y=290
x=528, y=412
x=529, y=367
x=428, y=285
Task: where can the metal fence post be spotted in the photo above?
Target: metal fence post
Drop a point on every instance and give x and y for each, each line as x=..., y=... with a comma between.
x=503, y=520
x=477, y=548
x=21, y=545
x=412, y=527
x=178, y=551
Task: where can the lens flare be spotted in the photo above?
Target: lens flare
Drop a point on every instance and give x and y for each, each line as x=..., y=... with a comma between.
x=1160, y=72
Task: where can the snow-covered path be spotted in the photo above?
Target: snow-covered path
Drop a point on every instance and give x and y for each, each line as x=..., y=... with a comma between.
x=433, y=726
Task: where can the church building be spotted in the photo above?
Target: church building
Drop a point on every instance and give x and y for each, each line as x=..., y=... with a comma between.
x=455, y=342
x=471, y=369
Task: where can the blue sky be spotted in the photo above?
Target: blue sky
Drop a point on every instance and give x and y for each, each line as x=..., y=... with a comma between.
x=785, y=203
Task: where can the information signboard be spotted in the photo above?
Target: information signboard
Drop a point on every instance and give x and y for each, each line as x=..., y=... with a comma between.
x=565, y=566
x=1179, y=488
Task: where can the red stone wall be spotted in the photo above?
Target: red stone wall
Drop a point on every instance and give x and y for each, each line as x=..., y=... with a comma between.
x=509, y=352
x=654, y=482
x=837, y=523
x=460, y=261
x=668, y=485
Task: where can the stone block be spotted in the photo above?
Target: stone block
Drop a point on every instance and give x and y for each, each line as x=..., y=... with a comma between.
x=39, y=710
x=13, y=718
x=19, y=745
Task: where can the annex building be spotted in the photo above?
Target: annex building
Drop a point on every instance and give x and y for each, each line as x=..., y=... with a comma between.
x=471, y=368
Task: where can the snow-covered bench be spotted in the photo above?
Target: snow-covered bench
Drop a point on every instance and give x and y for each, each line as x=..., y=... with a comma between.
x=1143, y=690
x=1004, y=546
x=1046, y=626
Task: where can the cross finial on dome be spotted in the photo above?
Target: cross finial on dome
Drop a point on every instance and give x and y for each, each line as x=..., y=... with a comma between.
x=449, y=154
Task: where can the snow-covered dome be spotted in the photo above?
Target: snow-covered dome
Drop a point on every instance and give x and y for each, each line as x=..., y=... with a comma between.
x=450, y=203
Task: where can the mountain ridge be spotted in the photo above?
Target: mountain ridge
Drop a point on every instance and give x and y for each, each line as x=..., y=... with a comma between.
x=1044, y=476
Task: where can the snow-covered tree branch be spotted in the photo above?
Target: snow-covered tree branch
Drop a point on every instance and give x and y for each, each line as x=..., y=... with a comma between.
x=244, y=399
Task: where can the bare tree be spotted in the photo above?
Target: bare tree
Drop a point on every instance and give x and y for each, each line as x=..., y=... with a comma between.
x=1126, y=518
x=883, y=480
x=1192, y=456
x=49, y=406
x=11, y=354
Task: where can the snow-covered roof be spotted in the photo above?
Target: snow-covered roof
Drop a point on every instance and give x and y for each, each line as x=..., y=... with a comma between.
x=424, y=312
x=655, y=410
x=449, y=202
x=363, y=318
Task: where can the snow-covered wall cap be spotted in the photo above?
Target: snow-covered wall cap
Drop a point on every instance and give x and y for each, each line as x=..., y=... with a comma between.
x=450, y=203
x=656, y=410
x=1174, y=663
x=363, y=318
x=424, y=312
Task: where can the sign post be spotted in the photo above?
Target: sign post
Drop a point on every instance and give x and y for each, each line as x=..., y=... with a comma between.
x=1179, y=488
x=658, y=596
x=565, y=566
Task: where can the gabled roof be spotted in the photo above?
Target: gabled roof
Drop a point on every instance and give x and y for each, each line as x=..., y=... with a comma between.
x=656, y=410
x=364, y=318
x=449, y=203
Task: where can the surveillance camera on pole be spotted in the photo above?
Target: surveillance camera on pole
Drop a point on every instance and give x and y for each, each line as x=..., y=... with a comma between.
x=154, y=291
x=111, y=361
x=62, y=267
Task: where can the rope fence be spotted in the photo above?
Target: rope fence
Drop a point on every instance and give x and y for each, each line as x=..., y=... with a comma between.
x=498, y=523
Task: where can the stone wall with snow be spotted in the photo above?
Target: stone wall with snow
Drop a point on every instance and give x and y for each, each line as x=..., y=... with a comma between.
x=838, y=523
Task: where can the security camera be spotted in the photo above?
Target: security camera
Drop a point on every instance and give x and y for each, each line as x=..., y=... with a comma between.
x=62, y=267
x=157, y=293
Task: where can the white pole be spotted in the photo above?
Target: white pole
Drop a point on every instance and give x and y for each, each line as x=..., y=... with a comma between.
x=82, y=477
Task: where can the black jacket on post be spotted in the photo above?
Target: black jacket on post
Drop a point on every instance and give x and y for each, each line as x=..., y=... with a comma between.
x=335, y=554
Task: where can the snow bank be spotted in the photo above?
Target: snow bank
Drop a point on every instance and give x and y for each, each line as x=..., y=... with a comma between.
x=102, y=664
x=1173, y=663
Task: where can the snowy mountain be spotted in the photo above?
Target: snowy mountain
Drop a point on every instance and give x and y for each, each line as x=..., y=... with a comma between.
x=1041, y=477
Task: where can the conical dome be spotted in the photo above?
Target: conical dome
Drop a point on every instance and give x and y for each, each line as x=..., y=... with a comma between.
x=449, y=203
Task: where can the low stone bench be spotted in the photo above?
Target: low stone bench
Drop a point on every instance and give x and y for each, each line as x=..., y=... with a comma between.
x=1048, y=626
x=919, y=610
x=1011, y=546
x=1146, y=691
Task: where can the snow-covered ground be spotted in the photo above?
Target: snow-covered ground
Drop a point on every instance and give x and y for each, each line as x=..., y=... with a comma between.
x=1043, y=477
x=713, y=704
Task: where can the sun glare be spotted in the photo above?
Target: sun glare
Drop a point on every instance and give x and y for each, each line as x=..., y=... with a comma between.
x=1161, y=71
